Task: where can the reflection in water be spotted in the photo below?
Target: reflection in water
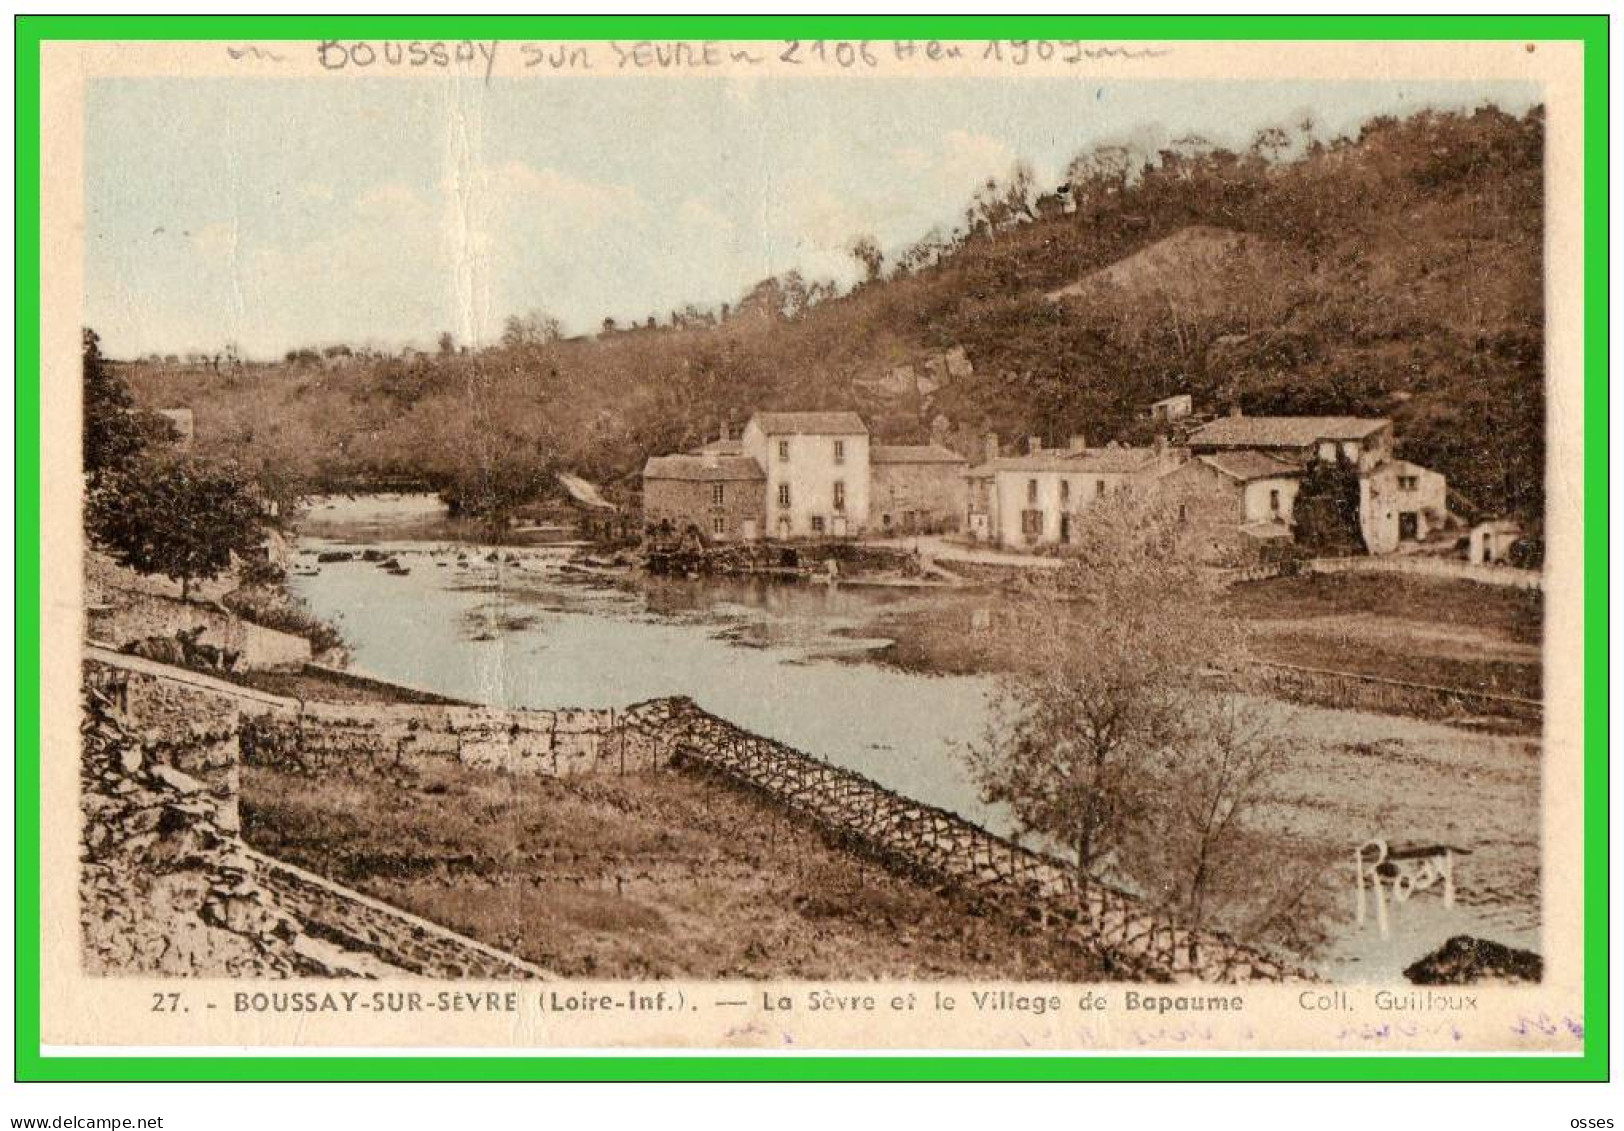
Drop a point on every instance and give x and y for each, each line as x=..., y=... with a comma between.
x=775, y=658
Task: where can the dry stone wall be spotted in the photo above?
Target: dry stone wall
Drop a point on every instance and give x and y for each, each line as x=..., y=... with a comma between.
x=939, y=847
x=166, y=884
x=121, y=616
x=184, y=724
x=552, y=743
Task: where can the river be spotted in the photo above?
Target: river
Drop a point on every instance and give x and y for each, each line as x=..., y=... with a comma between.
x=784, y=660
x=811, y=665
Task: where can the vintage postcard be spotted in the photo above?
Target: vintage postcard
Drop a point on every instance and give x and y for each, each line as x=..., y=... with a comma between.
x=1050, y=546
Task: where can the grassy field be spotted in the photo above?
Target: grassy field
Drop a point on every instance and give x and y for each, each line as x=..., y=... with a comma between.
x=656, y=875
x=1449, y=633
x=1421, y=630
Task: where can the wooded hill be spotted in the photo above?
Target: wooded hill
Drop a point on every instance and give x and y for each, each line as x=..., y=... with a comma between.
x=1398, y=273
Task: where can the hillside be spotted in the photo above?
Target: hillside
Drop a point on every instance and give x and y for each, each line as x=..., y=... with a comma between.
x=1397, y=273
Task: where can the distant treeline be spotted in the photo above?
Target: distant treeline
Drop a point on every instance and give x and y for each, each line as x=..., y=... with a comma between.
x=1395, y=273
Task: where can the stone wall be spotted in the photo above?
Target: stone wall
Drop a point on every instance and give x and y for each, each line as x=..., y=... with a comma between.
x=556, y=743
x=119, y=616
x=177, y=719
x=167, y=886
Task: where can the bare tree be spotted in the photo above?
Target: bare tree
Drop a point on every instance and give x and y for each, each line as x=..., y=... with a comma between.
x=1208, y=781
x=1102, y=662
x=536, y=328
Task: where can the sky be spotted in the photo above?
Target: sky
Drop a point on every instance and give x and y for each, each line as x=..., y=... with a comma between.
x=275, y=214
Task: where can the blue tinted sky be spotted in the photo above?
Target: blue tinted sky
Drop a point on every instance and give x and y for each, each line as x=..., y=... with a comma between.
x=282, y=213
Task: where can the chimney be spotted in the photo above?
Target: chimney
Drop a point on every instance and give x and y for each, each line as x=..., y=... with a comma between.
x=990, y=446
x=1078, y=444
x=1034, y=445
x=1235, y=409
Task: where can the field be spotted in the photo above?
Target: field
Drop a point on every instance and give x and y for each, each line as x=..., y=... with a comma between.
x=1448, y=633
x=1419, y=630
x=656, y=875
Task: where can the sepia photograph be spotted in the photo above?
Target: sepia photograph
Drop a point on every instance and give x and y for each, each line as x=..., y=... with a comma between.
x=557, y=527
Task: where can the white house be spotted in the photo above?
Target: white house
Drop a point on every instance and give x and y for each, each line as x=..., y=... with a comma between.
x=1038, y=498
x=1400, y=502
x=817, y=469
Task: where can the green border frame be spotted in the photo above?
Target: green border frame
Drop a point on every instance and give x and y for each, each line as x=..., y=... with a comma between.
x=31, y=31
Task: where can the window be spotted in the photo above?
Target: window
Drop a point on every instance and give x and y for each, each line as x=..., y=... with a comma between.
x=1032, y=523
x=1099, y=488
x=1408, y=482
x=783, y=451
x=1065, y=491
x=885, y=520
x=1184, y=512
x=840, y=451
x=817, y=524
x=718, y=525
x=840, y=495
x=1031, y=490
x=783, y=494
x=718, y=494
x=1274, y=499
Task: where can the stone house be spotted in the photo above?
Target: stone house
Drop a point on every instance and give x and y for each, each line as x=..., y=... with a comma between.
x=710, y=495
x=917, y=488
x=1400, y=503
x=1169, y=409
x=1232, y=506
x=1489, y=543
x=1038, y=498
x=1366, y=442
x=816, y=466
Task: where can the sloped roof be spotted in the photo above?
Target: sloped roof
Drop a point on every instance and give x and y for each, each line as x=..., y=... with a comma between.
x=584, y=492
x=1283, y=431
x=699, y=468
x=722, y=447
x=913, y=453
x=1247, y=465
x=810, y=423
x=1098, y=461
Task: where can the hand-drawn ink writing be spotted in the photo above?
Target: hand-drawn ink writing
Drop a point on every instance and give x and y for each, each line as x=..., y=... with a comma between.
x=845, y=54
x=648, y=54
x=1020, y=52
x=556, y=56
x=414, y=54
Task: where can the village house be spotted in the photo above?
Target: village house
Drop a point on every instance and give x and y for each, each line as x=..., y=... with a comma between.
x=1233, y=505
x=1490, y=543
x=817, y=472
x=917, y=488
x=1365, y=442
x=1401, y=503
x=1038, y=498
x=713, y=496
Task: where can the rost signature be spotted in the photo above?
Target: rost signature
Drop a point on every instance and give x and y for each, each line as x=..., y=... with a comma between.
x=1399, y=874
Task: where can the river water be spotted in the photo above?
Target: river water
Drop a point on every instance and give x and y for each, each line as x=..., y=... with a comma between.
x=783, y=660
x=801, y=663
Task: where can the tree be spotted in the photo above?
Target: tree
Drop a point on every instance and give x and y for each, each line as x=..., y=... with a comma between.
x=1214, y=772
x=537, y=328
x=1103, y=659
x=115, y=432
x=866, y=250
x=448, y=344
x=1327, y=507
x=178, y=517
